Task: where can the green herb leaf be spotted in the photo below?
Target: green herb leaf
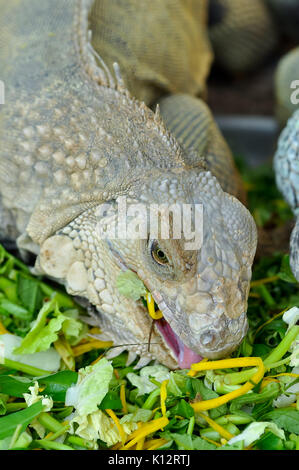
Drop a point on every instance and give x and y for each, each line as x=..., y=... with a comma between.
x=270, y=442
x=182, y=408
x=9, y=423
x=130, y=286
x=14, y=386
x=29, y=293
x=286, y=418
x=58, y=384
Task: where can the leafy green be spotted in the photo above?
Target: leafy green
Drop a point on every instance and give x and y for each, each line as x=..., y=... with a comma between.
x=42, y=335
x=186, y=442
x=270, y=441
x=29, y=293
x=208, y=394
x=91, y=387
x=253, y=432
x=14, y=386
x=269, y=392
x=111, y=400
x=130, y=286
x=9, y=423
x=58, y=384
x=10, y=343
x=286, y=418
x=143, y=382
x=182, y=408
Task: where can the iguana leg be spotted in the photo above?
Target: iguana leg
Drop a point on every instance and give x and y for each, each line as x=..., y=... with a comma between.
x=161, y=46
x=242, y=33
x=191, y=122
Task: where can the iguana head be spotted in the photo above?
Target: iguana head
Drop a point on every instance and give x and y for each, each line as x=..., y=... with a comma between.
x=202, y=292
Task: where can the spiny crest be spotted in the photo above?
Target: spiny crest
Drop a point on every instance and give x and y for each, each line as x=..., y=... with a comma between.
x=98, y=71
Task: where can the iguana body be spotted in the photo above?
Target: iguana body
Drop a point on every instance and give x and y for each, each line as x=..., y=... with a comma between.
x=286, y=165
x=287, y=86
x=243, y=33
x=72, y=138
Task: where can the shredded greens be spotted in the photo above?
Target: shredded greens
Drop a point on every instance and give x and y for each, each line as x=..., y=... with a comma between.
x=54, y=395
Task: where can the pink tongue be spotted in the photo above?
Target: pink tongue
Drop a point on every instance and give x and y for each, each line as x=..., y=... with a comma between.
x=187, y=357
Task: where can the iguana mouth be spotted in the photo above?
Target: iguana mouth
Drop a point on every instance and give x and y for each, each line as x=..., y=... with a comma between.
x=184, y=355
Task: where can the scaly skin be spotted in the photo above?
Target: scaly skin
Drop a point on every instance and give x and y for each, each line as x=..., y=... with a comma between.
x=242, y=33
x=286, y=76
x=73, y=138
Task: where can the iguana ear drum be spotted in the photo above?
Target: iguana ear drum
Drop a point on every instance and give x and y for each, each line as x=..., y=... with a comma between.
x=56, y=256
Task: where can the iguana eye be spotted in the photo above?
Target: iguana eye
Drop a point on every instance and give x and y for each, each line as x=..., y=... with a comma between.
x=158, y=254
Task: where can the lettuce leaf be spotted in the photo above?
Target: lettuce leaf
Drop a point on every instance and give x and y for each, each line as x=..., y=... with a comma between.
x=91, y=387
x=255, y=430
x=9, y=343
x=130, y=286
x=291, y=317
x=42, y=335
x=98, y=425
x=142, y=382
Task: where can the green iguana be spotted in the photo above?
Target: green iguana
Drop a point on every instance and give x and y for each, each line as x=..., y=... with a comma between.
x=72, y=138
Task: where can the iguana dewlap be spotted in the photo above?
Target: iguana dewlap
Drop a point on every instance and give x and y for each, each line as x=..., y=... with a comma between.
x=73, y=138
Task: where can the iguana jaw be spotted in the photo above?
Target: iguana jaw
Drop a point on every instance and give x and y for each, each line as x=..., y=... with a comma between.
x=218, y=336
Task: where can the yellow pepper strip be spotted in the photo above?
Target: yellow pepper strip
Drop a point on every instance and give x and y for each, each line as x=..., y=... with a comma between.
x=145, y=430
x=266, y=280
x=153, y=444
x=163, y=396
x=98, y=359
x=192, y=373
x=288, y=374
x=255, y=295
x=123, y=398
x=223, y=432
x=211, y=441
x=89, y=346
x=156, y=315
x=118, y=425
x=139, y=445
x=157, y=444
x=3, y=330
x=116, y=446
x=65, y=351
x=95, y=330
x=225, y=364
x=49, y=435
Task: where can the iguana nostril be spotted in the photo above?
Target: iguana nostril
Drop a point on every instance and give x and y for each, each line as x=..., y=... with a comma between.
x=207, y=338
